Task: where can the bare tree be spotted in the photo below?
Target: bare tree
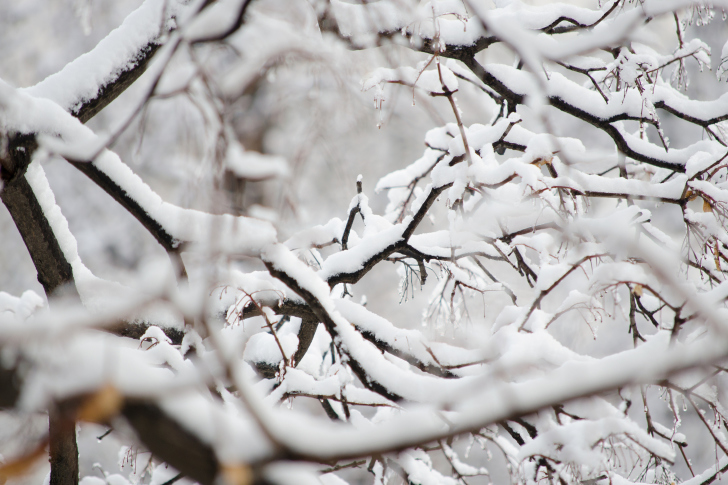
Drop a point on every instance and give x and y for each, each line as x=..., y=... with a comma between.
x=575, y=259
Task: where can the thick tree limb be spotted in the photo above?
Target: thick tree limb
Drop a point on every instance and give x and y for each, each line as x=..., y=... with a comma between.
x=305, y=337
x=56, y=276
x=54, y=271
x=63, y=449
x=110, y=91
x=170, y=442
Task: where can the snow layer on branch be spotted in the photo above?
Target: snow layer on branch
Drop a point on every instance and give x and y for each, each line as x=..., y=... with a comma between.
x=95, y=292
x=254, y=166
x=708, y=475
x=241, y=235
x=217, y=232
x=18, y=309
x=447, y=20
x=297, y=382
x=354, y=259
x=582, y=182
x=262, y=347
x=572, y=379
x=445, y=244
x=81, y=79
x=407, y=384
x=538, y=17
x=317, y=236
x=629, y=103
x=409, y=342
x=427, y=80
x=577, y=441
x=405, y=176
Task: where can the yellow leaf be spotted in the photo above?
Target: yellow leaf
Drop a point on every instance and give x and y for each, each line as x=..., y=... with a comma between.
x=102, y=405
x=238, y=474
x=637, y=290
x=706, y=206
x=716, y=252
x=21, y=465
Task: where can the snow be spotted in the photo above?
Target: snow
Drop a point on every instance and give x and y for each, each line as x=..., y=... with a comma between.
x=408, y=342
x=262, y=347
x=635, y=225
x=82, y=78
x=226, y=233
x=353, y=259
x=317, y=236
x=19, y=308
x=94, y=292
x=427, y=80
x=708, y=474
x=419, y=388
x=214, y=21
x=577, y=441
x=254, y=166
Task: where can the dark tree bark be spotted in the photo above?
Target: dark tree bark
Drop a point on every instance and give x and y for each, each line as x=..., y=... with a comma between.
x=168, y=441
x=63, y=449
x=54, y=273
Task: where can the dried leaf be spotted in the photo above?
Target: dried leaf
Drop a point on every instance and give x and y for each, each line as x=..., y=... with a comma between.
x=716, y=253
x=22, y=465
x=102, y=405
x=637, y=290
x=237, y=474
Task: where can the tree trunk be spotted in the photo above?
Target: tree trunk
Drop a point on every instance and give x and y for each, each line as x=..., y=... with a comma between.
x=63, y=449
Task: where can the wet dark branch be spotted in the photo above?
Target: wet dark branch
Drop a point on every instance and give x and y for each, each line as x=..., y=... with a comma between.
x=327, y=23
x=136, y=331
x=234, y=27
x=63, y=449
x=289, y=307
x=543, y=293
x=554, y=28
x=54, y=273
x=111, y=90
x=305, y=337
x=324, y=317
x=155, y=228
x=309, y=325
x=433, y=369
x=703, y=122
x=54, y=270
x=350, y=221
x=353, y=277
x=169, y=441
x=560, y=104
x=347, y=230
x=329, y=409
x=10, y=386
